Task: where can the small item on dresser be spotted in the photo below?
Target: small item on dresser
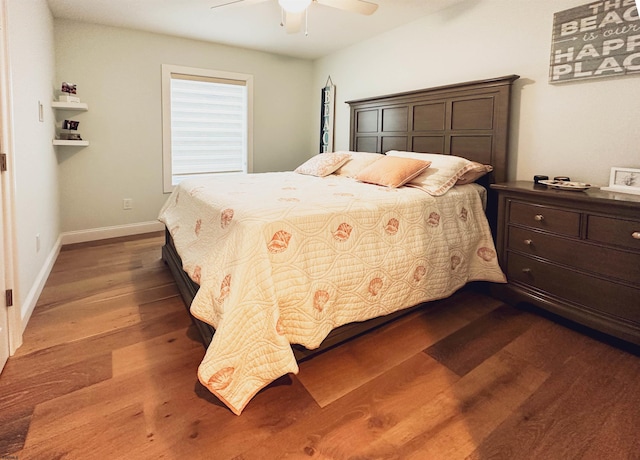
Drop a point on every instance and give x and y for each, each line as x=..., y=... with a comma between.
x=537, y=178
x=566, y=185
x=562, y=178
x=624, y=180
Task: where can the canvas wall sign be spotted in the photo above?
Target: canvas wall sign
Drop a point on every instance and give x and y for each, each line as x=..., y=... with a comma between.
x=596, y=40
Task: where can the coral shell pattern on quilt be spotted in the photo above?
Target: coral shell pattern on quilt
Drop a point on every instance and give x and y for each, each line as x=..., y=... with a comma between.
x=270, y=252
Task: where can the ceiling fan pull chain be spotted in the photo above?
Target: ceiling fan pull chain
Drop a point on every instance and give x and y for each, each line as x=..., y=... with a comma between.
x=281, y=17
x=306, y=22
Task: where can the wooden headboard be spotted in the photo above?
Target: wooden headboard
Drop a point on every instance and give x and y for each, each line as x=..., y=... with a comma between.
x=469, y=120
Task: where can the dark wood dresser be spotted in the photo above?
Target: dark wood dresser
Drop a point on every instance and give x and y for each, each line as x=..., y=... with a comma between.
x=573, y=253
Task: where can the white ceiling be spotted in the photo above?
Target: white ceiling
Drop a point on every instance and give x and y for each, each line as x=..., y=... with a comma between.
x=255, y=26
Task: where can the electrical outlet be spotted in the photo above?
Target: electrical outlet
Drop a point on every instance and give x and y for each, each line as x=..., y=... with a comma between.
x=127, y=203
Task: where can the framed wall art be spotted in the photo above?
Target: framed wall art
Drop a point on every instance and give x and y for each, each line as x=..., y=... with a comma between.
x=596, y=40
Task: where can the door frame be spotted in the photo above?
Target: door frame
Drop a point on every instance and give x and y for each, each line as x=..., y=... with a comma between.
x=7, y=183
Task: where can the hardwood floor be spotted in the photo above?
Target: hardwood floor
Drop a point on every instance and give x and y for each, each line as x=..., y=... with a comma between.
x=108, y=370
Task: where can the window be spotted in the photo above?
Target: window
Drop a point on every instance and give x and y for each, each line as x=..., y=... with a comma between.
x=206, y=123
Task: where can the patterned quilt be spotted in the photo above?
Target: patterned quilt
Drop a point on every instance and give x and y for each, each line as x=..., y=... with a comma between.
x=284, y=258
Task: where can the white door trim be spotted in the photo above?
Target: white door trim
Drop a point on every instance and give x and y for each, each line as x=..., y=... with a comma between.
x=7, y=183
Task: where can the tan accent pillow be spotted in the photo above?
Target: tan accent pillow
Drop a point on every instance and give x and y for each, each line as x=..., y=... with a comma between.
x=323, y=164
x=444, y=173
x=357, y=162
x=392, y=171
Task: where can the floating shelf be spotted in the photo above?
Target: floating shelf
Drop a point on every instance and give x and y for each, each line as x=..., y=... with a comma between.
x=77, y=106
x=70, y=143
x=70, y=105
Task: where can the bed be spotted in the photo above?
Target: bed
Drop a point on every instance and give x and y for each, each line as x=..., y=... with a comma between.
x=276, y=267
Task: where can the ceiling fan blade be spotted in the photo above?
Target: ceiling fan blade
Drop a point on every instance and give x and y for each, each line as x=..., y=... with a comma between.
x=293, y=22
x=356, y=6
x=226, y=4
x=236, y=3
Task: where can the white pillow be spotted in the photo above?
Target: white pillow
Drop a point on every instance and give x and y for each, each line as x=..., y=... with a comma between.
x=444, y=172
x=323, y=164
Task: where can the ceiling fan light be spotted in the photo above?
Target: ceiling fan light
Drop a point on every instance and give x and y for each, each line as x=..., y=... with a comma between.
x=294, y=6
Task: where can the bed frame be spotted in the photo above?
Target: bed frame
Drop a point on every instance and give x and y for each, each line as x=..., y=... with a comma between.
x=470, y=120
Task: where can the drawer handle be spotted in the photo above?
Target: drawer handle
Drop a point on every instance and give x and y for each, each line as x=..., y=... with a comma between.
x=539, y=217
x=528, y=242
x=635, y=235
x=526, y=270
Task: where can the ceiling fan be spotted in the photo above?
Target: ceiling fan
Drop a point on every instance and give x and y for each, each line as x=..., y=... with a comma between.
x=294, y=11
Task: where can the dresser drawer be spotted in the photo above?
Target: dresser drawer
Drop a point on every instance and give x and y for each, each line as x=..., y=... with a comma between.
x=620, y=232
x=609, y=262
x=589, y=292
x=545, y=218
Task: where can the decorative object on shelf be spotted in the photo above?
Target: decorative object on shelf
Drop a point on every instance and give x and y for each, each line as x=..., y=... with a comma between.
x=624, y=180
x=595, y=40
x=70, y=125
x=70, y=137
x=327, y=110
x=68, y=89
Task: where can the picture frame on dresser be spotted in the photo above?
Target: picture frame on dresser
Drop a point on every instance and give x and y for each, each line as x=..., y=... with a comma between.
x=624, y=180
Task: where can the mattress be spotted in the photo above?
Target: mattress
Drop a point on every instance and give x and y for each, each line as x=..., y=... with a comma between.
x=283, y=258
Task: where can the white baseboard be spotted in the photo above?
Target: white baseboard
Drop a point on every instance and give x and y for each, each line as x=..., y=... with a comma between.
x=96, y=234
x=32, y=297
x=81, y=236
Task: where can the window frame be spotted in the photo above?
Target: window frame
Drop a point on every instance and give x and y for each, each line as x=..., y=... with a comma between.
x=167, y=71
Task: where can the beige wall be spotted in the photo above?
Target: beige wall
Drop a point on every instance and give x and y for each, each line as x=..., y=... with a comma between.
x=118, y=73
x=578, y=129
x=35, y=171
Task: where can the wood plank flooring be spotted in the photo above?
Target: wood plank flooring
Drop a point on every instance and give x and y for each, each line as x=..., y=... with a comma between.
x=108, y=371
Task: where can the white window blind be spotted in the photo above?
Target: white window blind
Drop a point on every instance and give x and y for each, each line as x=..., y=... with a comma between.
x=208, y=123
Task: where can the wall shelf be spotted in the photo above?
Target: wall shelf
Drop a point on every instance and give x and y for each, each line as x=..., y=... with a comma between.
x=70, y=143
x=70, y=106
x=80, y=106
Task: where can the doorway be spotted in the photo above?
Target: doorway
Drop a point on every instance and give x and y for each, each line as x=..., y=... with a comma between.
x=7, y=312
x=4, y=317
